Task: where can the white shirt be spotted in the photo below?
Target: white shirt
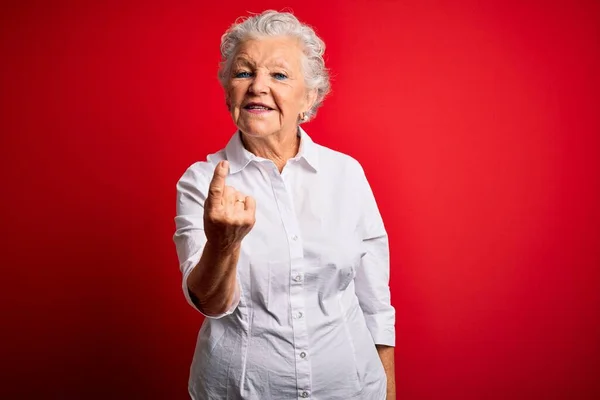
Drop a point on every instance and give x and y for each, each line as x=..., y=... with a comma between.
x=313, y=279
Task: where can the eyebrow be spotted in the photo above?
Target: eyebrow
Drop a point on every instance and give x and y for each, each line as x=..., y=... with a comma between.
x=242, y=59
x=281, y=64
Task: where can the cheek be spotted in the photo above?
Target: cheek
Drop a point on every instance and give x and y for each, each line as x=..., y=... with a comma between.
x=235, y=95
x=296, y=99
x=301, y=99
x=287, y=101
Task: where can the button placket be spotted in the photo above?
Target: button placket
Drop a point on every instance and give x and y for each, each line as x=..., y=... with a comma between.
x=299, y=327
x=300, y=332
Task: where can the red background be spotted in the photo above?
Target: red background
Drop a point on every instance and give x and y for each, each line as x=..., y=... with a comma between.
x=478, y=127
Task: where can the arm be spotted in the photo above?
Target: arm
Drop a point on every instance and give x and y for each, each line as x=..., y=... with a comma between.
x=210, y=227
x=372, y=282
x=386, y=354
x=212, y=283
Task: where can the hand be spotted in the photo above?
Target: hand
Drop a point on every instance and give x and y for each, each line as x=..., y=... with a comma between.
x=228, y=214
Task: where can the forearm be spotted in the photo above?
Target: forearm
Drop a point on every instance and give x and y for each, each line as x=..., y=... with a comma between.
x=386, y=354
x=212, y=282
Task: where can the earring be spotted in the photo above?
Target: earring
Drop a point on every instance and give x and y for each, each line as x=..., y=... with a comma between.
x=302, y=116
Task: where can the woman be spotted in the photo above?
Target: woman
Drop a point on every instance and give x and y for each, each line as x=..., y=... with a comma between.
x=280, y=241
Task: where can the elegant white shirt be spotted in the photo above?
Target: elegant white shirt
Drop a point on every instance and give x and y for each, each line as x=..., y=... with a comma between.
x=313, y=280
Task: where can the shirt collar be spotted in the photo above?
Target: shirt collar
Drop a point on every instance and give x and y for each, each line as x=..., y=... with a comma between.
x=239, y=157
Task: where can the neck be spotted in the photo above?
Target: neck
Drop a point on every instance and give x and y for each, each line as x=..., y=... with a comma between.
x=277, y=148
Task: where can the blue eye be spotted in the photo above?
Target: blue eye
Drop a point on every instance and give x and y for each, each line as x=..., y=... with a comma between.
x=279, y=76
x=243, y=74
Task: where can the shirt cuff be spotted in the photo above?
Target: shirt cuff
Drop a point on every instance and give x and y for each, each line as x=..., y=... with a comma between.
x=382, y=329
x=234, y=302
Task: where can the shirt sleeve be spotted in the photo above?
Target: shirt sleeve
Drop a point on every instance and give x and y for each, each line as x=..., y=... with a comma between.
x=189, y=236
x=372, y=277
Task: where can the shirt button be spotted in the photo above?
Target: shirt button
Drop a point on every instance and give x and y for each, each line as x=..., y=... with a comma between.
x=303, y=355
x=297, y=278
x=305, y=394
x=295, y=237
x=299, y=314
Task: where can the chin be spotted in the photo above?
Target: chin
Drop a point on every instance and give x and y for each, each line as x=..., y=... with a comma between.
x=257, y=130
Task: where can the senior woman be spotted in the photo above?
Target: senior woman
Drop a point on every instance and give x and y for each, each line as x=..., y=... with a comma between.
x=280, y=241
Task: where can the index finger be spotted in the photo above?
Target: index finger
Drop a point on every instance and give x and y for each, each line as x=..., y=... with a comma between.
x=217, y=184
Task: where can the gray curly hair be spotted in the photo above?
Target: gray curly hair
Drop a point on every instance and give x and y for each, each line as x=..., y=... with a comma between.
x=273, y=23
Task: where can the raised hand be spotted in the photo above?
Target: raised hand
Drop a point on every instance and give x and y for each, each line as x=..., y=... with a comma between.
x=228, y=214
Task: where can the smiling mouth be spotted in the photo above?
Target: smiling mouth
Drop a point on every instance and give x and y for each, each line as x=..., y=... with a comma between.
x=257, y=107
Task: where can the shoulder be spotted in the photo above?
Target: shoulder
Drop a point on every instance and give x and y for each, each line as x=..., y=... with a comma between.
x=192, y=187
x=201, y=172
x=339, y=164
x=344, y=173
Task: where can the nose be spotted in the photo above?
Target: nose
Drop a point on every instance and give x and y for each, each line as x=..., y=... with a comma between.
x=260, y=84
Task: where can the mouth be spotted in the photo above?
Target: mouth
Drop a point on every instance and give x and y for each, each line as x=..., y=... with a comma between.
x=257, y=108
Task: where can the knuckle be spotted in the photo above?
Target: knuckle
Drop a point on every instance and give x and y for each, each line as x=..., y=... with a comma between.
x=212, y=219
x=238, y=222
x=214, y=215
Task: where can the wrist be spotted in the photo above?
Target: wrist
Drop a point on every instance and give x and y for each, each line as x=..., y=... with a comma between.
x=223, y=248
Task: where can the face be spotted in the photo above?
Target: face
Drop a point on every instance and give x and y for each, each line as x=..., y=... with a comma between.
x=266, y=91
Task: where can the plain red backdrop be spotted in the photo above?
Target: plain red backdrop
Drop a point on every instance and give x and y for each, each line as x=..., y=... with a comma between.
x=477, y=124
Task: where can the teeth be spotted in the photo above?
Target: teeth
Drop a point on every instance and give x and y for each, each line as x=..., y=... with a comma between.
x=258, y=108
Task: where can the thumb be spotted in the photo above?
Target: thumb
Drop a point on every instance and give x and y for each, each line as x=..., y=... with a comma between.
x=217, y=184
